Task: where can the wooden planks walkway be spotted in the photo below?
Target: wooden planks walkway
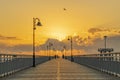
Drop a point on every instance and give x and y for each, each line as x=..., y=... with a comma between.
x=60, y=69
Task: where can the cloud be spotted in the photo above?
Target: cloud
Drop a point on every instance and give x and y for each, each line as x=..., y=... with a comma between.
x=112, y=42
x=15, y=49
x=111, y=28
x=94, y=30
x=79, y=40
x=82, y=44
x=8, y=38
x=95, y=33
x=57, y=45
x=99, y=30
x=22, y=48
x=89, y=48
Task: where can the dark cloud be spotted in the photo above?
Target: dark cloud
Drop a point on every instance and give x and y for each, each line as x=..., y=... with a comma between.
x=118, y=31
x=8, y=38
x=16, y=48
x=100, y=30
x=3, y=45
x=82, y=40
x=57, y=45
x=22, y=47
x=94, y=30
x=112, y=42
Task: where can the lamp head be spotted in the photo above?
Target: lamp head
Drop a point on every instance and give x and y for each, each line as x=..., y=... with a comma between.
x=105, y=36
x=39, y=23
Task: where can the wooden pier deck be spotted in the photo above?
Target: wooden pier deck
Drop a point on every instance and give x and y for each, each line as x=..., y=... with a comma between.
x=60, y=69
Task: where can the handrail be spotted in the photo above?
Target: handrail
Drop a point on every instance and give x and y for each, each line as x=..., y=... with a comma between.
x=10, y=63
x=105, y=62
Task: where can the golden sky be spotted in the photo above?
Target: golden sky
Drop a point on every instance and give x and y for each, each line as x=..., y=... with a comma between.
x=16, y=17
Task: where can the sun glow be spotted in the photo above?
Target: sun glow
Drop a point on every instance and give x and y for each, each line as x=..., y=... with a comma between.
x=59, y=32
x=59, y=36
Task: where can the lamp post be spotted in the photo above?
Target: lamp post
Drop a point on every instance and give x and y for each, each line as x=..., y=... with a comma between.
x=64, y=51
x=70, y=38
x=47, y=51
x=105, y=37
x=36, y=22
x=50, y=45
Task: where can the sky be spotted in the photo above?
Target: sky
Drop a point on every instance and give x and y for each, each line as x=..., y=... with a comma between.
x=87, y=21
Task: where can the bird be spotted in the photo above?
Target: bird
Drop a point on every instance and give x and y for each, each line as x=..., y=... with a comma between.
x=64, y=9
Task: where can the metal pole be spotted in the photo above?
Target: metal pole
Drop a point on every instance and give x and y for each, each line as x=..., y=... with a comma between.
x=71, y=50
x=49, y=50
x=65, y=52
x=105, y=37
x=105, y=41
x=34, y=42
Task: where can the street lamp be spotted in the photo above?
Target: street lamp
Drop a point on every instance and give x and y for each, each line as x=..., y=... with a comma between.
x=47, y=51
x=70, y=38
x=64, y=51
x=105, y=37
x=36, y=22
x=50, y=45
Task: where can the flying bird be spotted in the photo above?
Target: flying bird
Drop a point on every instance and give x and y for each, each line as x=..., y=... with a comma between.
x=64, y=9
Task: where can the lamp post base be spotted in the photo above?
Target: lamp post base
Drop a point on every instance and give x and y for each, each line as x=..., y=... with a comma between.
x=49, y=58
x=72, y=59
x=34, y=61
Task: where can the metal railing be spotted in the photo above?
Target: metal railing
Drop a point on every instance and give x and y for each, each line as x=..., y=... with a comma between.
x=10, y=63
x=107, y=62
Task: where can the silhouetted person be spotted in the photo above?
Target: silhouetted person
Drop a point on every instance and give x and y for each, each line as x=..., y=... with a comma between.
x=63, y=56
x=55, y=56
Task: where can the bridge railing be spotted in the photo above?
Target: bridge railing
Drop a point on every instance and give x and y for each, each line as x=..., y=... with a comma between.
x=107, y=62
x=10, y=63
